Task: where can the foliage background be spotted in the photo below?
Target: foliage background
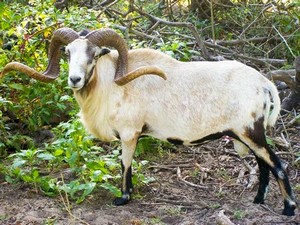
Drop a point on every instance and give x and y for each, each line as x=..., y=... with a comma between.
x=39, y=132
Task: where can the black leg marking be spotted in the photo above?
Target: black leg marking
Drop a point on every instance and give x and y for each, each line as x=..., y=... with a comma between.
x=264, y=177
x=128, y=177
x=289, y=210
x=265, y=157
x=127, y=190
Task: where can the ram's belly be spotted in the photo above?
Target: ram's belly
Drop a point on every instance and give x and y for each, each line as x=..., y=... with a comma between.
x=191, y=134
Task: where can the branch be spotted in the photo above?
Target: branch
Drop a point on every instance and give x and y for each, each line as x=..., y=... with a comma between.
x=222, y=219
x=138, y=33
x=287, y=76
x=157, y=21
x=111, y=3
x=232, y=54
x=252, y=40
x=187, y=182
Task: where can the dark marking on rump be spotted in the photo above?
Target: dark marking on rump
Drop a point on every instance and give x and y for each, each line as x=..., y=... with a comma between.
x=175, y=141
x=215, y=136
x=265, y=106
x=257, y=133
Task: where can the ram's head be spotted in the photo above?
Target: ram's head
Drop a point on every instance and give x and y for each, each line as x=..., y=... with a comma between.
x=84, y=51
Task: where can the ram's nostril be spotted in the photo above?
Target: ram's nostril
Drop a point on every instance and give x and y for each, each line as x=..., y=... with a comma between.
x=75, y=79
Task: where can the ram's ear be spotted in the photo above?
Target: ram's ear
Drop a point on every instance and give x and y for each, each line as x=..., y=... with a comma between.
x=100, y=52
x=104, y=51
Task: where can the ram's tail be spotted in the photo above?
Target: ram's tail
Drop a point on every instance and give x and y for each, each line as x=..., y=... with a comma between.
x=276, y=106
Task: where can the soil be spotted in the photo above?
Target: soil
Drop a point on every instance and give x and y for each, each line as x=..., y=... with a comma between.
x=193, y=186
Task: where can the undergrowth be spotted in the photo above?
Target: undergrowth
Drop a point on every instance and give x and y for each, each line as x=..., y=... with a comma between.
x=73, y=162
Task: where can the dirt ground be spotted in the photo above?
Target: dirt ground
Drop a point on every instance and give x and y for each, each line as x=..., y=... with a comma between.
x=203, y=185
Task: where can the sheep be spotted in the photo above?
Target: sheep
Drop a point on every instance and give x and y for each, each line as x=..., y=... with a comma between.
x=194, y=102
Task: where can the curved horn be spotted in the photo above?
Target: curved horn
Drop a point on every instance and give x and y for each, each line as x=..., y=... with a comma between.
x=144, y=70
x=60, y=37
x=110, y=38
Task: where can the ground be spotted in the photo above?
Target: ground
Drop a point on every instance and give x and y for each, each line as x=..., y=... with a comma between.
x=203, y=185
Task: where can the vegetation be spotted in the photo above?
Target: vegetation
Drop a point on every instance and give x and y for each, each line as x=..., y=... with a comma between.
x=263, y=35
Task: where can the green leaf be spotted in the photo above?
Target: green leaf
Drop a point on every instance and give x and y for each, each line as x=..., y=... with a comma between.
x=58, y=152
x=18, y=162
x=17, y=86
x=46, y=156
x=35, y=174
x=113, y=189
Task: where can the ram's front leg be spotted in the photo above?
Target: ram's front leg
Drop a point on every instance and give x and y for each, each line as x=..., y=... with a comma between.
x=128, y=149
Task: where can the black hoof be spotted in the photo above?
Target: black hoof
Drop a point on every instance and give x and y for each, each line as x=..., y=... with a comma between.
x=258, y=200
x=289, y=210
x=121, y=200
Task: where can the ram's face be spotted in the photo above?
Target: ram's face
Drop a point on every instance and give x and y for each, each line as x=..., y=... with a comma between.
x=82, y=56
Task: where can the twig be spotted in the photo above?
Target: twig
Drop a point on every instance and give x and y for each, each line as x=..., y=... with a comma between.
x=270, y=210
x=105, y=8
x=287, y=135
x=252, y=174
x=138, y=33
x=190, y=26
x=254, y=21
x=284, y=41
x=187, y=182
x=234, y=54
x=67, y=205
x=184, y=203
x=222, y=219
x=249, y=40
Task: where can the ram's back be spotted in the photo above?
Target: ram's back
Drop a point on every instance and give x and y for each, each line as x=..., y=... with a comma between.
x=198, y=98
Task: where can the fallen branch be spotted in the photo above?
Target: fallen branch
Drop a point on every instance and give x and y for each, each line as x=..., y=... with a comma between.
x=287, y=76
x=292, y=79
x=222, y=219
x=187, y=182
x=184, y=203
x=252, y=174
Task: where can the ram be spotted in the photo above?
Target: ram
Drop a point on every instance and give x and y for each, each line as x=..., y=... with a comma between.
x=194, y=103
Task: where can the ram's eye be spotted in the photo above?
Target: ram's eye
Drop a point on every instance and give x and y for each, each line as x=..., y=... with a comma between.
x=96, y=57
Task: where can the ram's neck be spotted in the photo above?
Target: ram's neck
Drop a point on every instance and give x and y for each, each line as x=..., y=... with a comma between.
x=96, y=100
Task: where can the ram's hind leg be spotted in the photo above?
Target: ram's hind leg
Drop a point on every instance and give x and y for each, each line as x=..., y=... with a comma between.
x=264, y=177
x=264, y=169
x=255, y=138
